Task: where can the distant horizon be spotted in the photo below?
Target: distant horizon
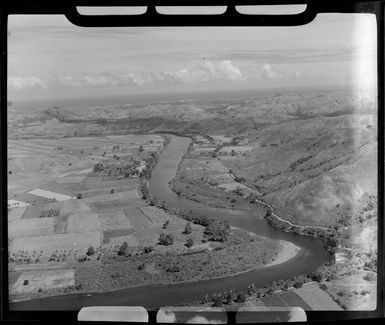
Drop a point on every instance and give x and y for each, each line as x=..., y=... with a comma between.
x=169, y=97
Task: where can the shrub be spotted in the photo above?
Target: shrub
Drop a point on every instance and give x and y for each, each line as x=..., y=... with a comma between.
x=229, y=298
x=241, y=297
x=79, y=196
x=323, y=286
x=188, y=229
x=173, y=268
x=166, y=240
x=340, y=293
x=148, y=249
x=112, y=191
x=25, y=282
x=297, y=285
x=317, y=276
x=370, y=277
x=166, y=224
x=82, y=258
x=190, y=242
x=123, y=250
x=251, y=289
x=332, y=242
x=90, y=251
x=141, y=266
x=217, y=301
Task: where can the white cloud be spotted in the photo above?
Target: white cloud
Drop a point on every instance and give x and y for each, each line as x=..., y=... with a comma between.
x=276, y=71
x=206, y=71
x=19, y=83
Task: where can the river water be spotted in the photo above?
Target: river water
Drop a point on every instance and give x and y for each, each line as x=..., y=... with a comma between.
x=309, y=258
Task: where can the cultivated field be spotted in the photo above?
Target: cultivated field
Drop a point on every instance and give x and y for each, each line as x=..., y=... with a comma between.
x=71, y=211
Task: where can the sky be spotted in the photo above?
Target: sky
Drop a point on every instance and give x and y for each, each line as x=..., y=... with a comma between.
x=48, y=56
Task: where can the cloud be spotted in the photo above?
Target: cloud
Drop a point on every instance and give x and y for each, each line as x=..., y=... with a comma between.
x=273, y=72
x=19, y=83
x=224, y=71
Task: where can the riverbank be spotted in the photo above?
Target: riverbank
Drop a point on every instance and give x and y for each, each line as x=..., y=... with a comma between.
x=242, y=252
x=287, y=251
x=234, y=266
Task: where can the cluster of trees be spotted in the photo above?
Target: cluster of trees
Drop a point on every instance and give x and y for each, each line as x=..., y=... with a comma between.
x=127, y=169
x=217, y=231
x=50, y=213
x=150, y=162
x=124, y=250
x=299, y=161
x=227, y=298
x=166, y=240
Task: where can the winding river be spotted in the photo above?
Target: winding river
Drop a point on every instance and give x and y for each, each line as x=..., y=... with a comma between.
x=309, y=257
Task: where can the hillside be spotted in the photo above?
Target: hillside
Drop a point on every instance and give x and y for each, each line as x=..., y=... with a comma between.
x=311, y=153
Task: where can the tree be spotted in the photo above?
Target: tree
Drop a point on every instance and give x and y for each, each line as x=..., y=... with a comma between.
x=217, y=301
x=141, y=266
x=166, y=224
x=79, y=196
x=141, y=148
x=297, y=285
x=190, y=242
x=317, y=276
x=332, y=242
x=173, y=268
x=148, y=249
x=251, y=289
x=229, y=298
x=241, y=297
x=90, y=251
x=166, y=240
x=123, y=250
x=112, y=191
x=188, y=229
x=323, y=286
